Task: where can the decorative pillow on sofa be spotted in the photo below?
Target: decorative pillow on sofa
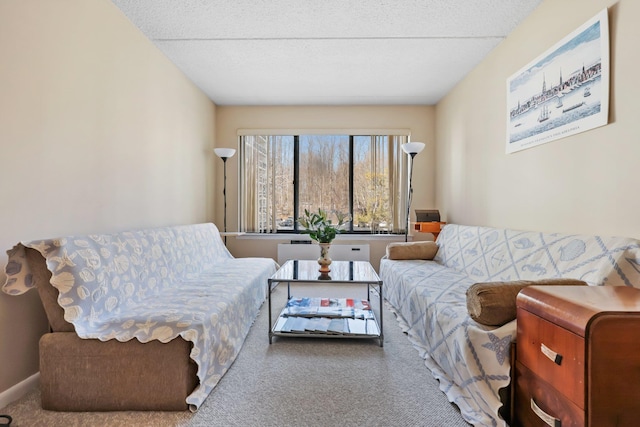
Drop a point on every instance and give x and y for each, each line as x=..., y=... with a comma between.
x=494, y=303
x=412, y=250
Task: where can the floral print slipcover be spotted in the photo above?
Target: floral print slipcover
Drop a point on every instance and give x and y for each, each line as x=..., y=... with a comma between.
x=471, y=361
x=154, y=284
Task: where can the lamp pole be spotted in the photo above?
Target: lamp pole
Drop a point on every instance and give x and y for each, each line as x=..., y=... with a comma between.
x=224, y=154
x=409, y=197
x=412, y=149
x=224, y=196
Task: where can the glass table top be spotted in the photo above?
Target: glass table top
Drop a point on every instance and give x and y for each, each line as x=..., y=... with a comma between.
x=341, y=271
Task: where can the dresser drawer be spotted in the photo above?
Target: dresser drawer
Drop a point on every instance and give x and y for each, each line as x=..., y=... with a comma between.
x=554, y=354
x=538, y=404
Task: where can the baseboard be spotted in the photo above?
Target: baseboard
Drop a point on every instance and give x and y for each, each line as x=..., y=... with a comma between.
x=19, y=390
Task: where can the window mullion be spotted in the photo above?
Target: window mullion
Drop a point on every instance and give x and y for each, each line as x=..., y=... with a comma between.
x=351, y=171
x=296, y=180
x=271, y=171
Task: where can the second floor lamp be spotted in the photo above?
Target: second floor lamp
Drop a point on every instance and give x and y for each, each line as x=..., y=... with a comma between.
x=224, y=154
x=411, y=148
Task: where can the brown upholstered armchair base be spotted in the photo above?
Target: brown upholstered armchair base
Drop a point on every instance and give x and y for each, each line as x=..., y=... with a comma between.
x=90, y=375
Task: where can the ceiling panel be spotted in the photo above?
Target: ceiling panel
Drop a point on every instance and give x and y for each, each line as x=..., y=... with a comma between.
x=330, y=52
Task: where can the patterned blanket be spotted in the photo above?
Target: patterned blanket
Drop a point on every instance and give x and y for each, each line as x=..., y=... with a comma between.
x=154, y=284
x=471, y=361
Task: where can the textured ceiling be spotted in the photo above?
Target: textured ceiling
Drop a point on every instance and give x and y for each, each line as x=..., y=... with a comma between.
x=326, y=52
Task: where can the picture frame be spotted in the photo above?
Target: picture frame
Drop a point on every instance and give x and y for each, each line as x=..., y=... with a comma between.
x=562, y=92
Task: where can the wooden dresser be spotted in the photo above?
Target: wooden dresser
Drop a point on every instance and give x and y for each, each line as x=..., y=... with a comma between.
x=578, y=356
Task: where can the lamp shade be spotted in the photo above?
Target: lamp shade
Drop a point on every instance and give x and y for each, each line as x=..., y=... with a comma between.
x=413, y=147
x=224, y=153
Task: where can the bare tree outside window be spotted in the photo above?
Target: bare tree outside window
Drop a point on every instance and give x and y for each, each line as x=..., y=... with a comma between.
x=324, y=174
x=371, y=184
x=282, y=188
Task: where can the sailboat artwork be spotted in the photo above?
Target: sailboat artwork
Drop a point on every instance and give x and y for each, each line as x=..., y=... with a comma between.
x=544, y=114
x=562, y=92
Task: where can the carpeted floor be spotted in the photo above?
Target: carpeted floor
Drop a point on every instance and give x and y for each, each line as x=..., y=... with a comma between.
x=295, y=382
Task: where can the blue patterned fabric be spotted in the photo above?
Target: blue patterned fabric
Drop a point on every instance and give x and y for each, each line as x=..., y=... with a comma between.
x=470, y=360
x=154, y=284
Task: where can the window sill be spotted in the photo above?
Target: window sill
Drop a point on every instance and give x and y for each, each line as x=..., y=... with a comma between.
x=343, y=237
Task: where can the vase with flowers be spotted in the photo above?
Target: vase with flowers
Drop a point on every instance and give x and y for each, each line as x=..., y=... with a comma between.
x=321, y=229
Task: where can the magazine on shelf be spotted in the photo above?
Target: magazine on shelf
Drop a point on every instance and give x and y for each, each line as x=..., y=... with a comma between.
x=328, y=307
x=339, y=326
x=317, y=324
x=327, y=316
x=326, y=325
x=329, y=302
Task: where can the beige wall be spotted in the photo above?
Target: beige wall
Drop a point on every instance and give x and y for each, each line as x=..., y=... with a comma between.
x=99, y=133
x=419, y=119
x=586, y=183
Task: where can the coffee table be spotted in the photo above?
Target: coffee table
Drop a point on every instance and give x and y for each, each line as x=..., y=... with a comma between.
x=313, y=317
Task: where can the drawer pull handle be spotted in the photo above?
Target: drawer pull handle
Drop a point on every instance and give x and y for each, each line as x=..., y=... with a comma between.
x=546, y=418
x=552, y=355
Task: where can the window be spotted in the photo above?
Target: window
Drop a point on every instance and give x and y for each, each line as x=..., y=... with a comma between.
x=363, y=175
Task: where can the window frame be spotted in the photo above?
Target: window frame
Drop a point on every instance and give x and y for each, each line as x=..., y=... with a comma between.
x=296, y=173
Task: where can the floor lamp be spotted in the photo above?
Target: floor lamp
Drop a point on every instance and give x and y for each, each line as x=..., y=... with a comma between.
x=224, y=154
x=411, y=148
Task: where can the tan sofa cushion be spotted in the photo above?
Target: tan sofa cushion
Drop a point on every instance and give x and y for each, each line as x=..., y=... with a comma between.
x=412, y=250
x=494, y=303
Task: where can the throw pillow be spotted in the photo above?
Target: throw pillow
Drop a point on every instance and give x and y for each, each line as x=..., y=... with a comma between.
x=494, y=303
x=412, y=250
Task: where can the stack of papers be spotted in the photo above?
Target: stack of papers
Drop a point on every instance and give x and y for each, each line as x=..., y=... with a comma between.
x=328, y=307
x=325, y=325
x=333, y=316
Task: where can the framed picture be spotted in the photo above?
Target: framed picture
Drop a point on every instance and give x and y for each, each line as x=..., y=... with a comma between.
x=562, y=92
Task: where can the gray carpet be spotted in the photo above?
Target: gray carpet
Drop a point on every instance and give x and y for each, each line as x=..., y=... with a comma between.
x=296, y=382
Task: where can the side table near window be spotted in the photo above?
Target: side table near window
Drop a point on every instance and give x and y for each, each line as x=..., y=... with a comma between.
x=232, y=233
x=224, y=235
x=432, y=227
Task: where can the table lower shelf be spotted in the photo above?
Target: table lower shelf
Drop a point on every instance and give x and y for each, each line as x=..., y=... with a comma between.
x=327, y=326
x=327, y=322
